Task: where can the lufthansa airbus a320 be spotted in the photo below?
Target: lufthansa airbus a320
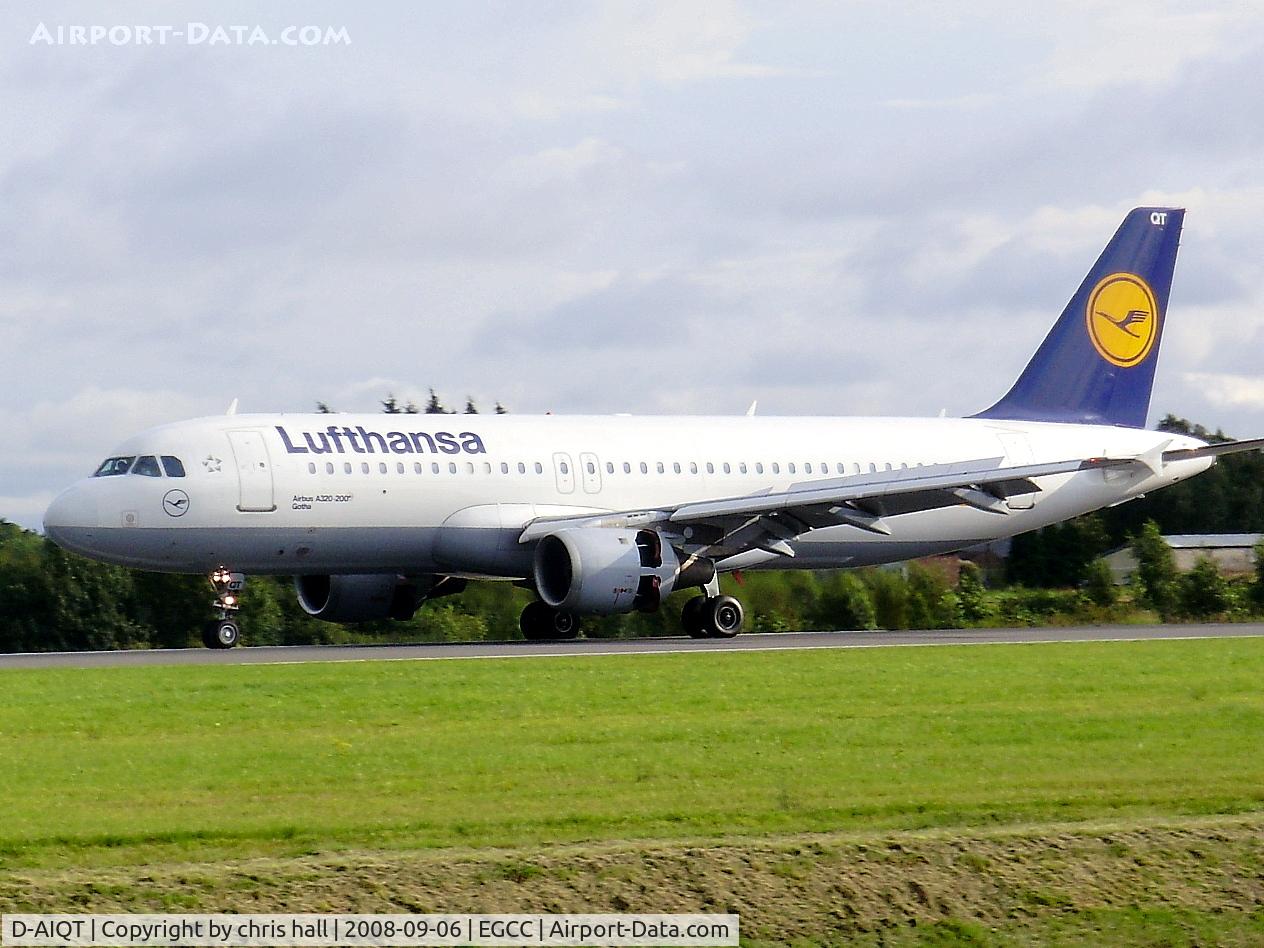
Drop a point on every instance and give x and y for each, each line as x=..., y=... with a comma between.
x=374, y=515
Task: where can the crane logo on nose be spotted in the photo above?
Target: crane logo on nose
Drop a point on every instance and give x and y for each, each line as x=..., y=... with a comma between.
x=175, y=503
x=1122, y=319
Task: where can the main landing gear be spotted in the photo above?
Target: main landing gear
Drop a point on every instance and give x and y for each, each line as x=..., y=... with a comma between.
x=224, y=632
x=712, y=617
x=541, y=621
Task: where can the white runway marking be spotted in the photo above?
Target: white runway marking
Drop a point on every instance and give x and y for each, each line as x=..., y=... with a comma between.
x=771, y=641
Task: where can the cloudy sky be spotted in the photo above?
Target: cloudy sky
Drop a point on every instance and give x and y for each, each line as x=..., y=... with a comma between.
x=843, y=208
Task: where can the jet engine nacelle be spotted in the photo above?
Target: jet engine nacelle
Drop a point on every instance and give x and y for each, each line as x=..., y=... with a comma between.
x=357, y=598
x=604, y=571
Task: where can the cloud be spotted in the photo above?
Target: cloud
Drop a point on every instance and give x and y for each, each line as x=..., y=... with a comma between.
x=610, y=207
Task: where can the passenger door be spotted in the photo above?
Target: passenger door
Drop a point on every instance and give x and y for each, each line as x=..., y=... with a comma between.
x=254, y=470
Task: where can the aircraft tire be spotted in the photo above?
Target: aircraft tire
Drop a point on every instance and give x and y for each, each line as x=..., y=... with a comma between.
x=723, y=617
x=691, y=618
x=222, y=633
x=540, y=622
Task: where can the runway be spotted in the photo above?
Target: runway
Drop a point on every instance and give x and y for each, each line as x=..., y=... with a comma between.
x=753, y=642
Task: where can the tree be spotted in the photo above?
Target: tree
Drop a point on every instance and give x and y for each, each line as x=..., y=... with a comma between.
x=971, y=594
x=1099, y=584
x=1156, y=575
x=1203, y=591
x=324, y=409
x=434, y=406
x=470, y=407
x=1257, y=588
x=501, y=409
x=390, y=406
x=844, y=603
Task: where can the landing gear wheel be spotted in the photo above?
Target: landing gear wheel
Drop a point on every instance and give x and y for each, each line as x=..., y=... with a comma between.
x=221, y=633
x=540, y=622
x=224, y=631
x=722, y=617
x=691, y=619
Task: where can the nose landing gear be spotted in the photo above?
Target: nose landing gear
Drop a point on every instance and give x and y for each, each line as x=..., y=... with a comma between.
x=224, y=632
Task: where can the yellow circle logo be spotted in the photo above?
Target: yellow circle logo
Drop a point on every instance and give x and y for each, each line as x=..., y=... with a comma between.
x=1123, y=319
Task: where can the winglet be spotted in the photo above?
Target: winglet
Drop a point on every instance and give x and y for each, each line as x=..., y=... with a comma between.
x=232, y=409
x=750, y=412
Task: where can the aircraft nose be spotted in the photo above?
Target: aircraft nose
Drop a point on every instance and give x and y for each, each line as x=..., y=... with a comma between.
x=71, y=518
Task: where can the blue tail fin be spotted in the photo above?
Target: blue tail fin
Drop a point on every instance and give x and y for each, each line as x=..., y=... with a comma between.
x=1096, y=366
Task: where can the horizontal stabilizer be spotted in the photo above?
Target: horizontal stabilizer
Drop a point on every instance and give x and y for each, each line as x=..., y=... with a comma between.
x=1215, y=450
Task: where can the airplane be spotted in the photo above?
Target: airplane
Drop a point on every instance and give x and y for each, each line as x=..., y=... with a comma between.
x=374, y=515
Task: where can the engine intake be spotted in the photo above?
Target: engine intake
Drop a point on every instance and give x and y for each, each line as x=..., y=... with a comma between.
x=357, y=598
x=605, y=571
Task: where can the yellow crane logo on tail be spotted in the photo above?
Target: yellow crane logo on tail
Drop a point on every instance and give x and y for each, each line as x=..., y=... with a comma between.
x=1122, y=317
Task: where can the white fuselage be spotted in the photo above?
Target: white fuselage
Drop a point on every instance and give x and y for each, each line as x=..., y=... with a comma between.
x=281, y=494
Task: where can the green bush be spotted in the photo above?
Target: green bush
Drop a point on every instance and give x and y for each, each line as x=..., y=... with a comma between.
x=844, y=603
x=1099, y=584
x=972, y=595
x=1156, y=576
x=1203, y=591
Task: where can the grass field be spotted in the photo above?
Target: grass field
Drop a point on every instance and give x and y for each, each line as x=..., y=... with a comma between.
x=198, y=765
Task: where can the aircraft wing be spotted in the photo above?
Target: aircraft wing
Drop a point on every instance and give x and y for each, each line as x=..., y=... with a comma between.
x=768, y=519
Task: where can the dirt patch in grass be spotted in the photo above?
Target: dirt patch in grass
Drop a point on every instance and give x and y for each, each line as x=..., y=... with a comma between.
x=815, y=888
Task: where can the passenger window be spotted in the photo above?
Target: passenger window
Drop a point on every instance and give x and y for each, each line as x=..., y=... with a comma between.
x=173, y=466
x=434, y=468
x=610, y=467
x=790, y=467
x=539, y=468
x=564, y=467
x=381, y=467
x=741, y=468
x=645, y=468
x=759, y=467
x=311, y=467
x=807, y=468
x=487, y=467
x=627, y=467
x=452, y=467
x=346, y=467
x=676, y=467
x=522, y=468
x=399, y=468
x=660, y=468
x=364, y=467
x=841, y=469
x=469, y=467
x=776, y=468
x=592, y=468
x=693, y=467
x=710, y=468
x=147, y=466
x=417, y=467
x=329, y=467
x=727, y=468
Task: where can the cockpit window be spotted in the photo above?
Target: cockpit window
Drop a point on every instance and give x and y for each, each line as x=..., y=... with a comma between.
x=147, y=466
x=114, y=466
x=173, y=466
